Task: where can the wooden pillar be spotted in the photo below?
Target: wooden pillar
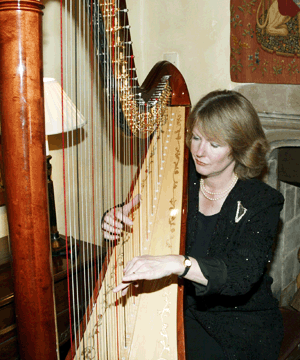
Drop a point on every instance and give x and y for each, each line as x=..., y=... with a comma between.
x=23, y=145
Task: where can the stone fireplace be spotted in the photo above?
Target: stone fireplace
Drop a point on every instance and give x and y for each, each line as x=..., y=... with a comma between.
x=278, y=107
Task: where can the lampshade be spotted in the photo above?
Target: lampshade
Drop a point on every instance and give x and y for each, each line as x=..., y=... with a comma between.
x=53, y=109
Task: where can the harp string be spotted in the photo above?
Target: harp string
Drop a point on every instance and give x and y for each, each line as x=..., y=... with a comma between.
x=95, y=178
x=114, y=134
x=64, y=167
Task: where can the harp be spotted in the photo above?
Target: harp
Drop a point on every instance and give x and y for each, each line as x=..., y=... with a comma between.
x=134, y=132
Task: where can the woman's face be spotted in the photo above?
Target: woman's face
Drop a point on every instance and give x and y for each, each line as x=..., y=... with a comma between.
x=211, y=158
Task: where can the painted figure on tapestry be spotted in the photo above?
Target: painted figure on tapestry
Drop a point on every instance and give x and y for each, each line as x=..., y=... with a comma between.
x=265, y=41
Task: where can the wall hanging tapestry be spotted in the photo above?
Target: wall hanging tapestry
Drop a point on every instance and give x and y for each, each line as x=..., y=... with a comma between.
x=265, y=41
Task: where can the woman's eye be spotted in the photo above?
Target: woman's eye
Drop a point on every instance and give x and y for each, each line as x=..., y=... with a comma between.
x=195, y=137
x=214, y=145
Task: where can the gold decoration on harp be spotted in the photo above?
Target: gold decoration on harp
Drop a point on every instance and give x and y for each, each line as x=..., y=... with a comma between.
x=142, y=117
x=148, y=121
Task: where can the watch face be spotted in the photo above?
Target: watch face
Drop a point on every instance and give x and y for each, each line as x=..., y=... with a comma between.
x=188, y=262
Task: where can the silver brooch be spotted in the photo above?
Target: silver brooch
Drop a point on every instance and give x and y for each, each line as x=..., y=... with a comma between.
x=240, y=212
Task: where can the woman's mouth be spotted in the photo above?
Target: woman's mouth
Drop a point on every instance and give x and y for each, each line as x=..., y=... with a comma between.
x=200, y=163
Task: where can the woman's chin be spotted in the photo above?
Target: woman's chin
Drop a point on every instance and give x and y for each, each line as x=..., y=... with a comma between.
x=201, y=170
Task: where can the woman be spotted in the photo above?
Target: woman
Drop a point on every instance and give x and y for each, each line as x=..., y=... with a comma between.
x=230, y=312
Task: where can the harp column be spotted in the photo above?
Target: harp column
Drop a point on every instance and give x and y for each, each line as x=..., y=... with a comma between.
x=23, y=144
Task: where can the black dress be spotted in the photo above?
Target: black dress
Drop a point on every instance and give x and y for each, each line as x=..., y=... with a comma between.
x=199, y=344
x=236, y=308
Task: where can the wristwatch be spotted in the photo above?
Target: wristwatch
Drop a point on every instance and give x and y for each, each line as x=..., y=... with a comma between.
x=187, y=263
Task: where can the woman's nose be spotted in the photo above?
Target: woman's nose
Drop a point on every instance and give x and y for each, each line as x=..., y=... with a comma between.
x=201, y=150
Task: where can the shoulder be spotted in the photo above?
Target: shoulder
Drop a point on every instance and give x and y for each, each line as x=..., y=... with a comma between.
x=254, y=192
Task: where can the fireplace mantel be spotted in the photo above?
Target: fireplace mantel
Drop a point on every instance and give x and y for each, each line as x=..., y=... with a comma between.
x=282, y=130
x=278, y=107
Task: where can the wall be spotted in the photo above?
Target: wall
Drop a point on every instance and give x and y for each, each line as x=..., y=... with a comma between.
x=198, y=30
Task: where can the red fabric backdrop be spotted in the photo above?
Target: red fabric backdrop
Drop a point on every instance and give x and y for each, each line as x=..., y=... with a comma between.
x=265, y=41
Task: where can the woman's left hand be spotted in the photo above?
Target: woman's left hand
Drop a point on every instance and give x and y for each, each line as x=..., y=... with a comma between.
x=149, y=267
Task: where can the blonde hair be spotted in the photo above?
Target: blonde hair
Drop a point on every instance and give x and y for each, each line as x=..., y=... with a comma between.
x=228, y=117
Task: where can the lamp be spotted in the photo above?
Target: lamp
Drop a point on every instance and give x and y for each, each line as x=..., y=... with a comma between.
x=73, y=120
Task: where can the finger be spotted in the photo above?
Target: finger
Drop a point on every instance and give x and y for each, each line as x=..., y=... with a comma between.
x=111, y=229
x=138, y=264
x=121, y=287
x=110, y=220
x=143, y=275
x=132, y=266
x=131, y=204
x=125, y=219
x=109, y=236
x=124, y=292
x=119, y=215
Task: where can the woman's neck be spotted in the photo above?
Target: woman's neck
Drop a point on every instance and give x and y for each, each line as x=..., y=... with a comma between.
x=219, y=183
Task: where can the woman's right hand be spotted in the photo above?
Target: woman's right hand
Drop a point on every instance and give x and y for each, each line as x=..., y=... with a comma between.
x=114, y=220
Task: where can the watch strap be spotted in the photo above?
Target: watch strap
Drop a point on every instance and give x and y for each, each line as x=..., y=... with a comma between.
x=187, y=268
